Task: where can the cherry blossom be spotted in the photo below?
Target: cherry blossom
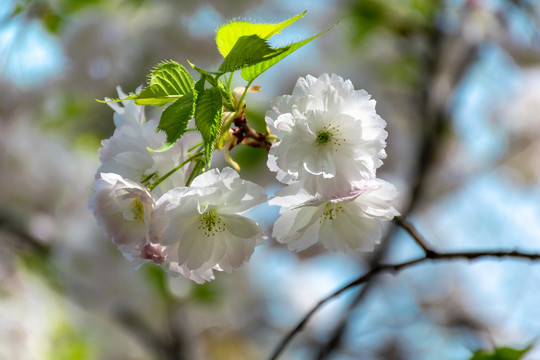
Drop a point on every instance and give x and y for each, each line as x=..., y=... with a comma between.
x=330, y=135
x=201, y=226
x=123, y=208
x=129, y=150
x=351, y=222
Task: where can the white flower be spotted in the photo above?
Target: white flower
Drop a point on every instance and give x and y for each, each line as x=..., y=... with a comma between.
x=127, y=152
x=129, y=112
x=200, y=225
x=330, y=135
x=123, y=208
x=347, y=223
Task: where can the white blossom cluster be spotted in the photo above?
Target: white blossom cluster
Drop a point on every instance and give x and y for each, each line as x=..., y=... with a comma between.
x=189, y=231
x=332, y=142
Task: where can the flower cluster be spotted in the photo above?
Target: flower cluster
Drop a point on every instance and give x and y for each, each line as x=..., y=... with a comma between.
x=332, y=142
x=155, y=208
x=150, y=213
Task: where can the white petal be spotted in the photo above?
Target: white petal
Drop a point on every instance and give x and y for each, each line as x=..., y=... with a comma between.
x=356, y=232
x=308, y=235
x=194, y=248
x=377, y=200
x=290, y=196
x=320, y=162
x=239, y=251
x=284, y=123
x=199, y=276
x=207, y=178
x=297, y=228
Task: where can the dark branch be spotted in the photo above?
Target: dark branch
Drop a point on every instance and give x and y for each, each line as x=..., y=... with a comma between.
x=337, y=338
x=246, y=135
x=417, y=237
x=436, y=256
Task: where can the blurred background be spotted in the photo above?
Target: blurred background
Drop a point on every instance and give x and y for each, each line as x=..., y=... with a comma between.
x=458, y=82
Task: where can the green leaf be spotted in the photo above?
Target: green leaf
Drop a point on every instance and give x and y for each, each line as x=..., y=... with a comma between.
x=51, y=20
x=250, y=73
x=211, y=77
x=199, y=85
x=174, y=119
x=503, y=353
x=208, y=119
x=168, y=82
x=248, y=50
x=228, y=35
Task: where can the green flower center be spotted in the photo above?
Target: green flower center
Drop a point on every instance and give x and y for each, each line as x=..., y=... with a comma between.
x=329, y=137
x=323, y=137
x=211, y=223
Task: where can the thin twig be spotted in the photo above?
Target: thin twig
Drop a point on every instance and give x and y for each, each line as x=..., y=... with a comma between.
x=417, y=237
x=336, y=339
x=435, y=256
x=374, y=261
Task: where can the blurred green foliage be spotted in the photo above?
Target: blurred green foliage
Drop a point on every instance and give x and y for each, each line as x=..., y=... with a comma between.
x=158, y=281
x=402, y=18
x=53, y=15
x=209, y=293
x=399, y=25
x=38, y=260
x=503, y=353
x=68, y=344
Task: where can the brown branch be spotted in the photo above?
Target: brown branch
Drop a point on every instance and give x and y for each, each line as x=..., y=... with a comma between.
x=417, y=237
x=434, y=256
x=246, y=135
x=336, y=339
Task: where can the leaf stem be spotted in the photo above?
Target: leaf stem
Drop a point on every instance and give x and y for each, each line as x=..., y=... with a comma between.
x=239, y=105
x=146, y=179
x=199, y=165
x=229, y=82
x=195, y=146
x=161, y=179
